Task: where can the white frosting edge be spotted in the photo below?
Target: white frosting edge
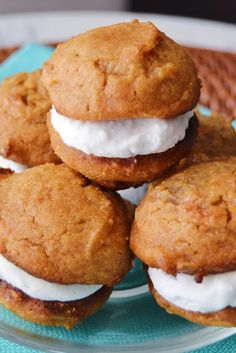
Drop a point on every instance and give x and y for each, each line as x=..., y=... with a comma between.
x=214, y=293
x=39, y=288
x=134, y=195
x=121, y=138
x=9, y=164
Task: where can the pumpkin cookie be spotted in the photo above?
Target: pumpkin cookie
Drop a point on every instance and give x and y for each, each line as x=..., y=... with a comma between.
x=63, y=244
x=122, y=100
x=24, y=138
x=184, y=231
x=216, y=139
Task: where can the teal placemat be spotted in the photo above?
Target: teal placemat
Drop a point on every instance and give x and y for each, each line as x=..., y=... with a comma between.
x=27, y=59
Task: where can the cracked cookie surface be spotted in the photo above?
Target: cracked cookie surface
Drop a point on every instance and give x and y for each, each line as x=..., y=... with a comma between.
x=24, y=104
x=126, y=70
x=58, y=226
x=186, y=223
x=216, y=139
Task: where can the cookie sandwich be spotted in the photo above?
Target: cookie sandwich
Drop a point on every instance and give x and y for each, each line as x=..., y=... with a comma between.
x=123, y=99
x=63, y=245
x=184, y=232
x=24, y=138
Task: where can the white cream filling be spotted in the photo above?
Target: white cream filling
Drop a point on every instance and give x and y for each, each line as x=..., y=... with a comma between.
x=40, y=289
x=121, y=138
x=134, y=195
x=214, y=293
x=9, y=164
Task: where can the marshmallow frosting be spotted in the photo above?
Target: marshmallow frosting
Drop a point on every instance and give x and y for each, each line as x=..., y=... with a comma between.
x=134, y=195
x=9, y=164
x=214, y=293
x=121, y=138
x=40, y=289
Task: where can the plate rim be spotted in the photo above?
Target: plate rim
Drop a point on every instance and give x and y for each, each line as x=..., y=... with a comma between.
x=178, y=344
x=224, y=30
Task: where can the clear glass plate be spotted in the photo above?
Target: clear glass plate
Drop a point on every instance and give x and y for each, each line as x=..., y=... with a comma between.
x=130, y=321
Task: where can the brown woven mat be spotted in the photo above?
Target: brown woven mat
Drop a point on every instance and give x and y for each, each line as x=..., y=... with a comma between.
x=217, y=71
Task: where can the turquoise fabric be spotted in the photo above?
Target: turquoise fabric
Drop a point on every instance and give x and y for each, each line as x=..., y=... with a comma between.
x=226, y=346
x=234, y=124
x=204, y=111
x=136, y=328
x=26, y=59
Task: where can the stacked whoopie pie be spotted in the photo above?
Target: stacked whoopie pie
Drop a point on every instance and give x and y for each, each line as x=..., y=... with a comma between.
x=122, y=115
x=122, y=99
x=184, y=232
x=63, y=244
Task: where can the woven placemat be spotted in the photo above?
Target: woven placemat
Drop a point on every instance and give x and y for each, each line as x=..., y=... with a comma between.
x=217, y=71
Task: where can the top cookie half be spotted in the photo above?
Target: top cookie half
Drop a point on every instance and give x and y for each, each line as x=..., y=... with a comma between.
x=127, y=70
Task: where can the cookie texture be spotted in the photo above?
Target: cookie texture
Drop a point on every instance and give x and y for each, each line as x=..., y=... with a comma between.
x=122, y=173
x=58, y=226
x=53, y=313
x=225, y=317
x=216, y=138
x=24, y=104
x=126, y=70
x=187, y=222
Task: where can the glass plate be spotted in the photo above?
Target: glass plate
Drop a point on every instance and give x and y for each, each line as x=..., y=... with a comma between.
x=130, y=321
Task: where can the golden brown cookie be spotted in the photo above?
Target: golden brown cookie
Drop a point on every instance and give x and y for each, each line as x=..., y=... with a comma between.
x=24, y=104
x=53, y=313
x=185, y=227
x=58, y=213
x=127, y=70
x=216, y=138
x=115, y=75
x=122, y=173
x=57, y=226
x=186, y=223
